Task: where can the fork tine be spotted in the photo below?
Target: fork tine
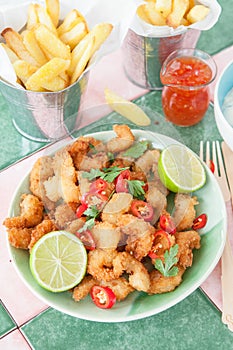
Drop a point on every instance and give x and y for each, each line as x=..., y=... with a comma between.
x=214, y=158
x=220, y=160
x=201, y=152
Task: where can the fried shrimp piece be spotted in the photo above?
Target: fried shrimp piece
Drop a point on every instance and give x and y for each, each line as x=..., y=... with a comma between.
x=96, y=161
x=157, y=200
x=161, y=284
x=184, y=212
x=40, y=230
x=117, y=205
x=146, y=161
x=140, y=235
x=138, y=275
x=82, y=146
x=187, y=241
x=122, y=141
x=41, y=171
x=83, y=288
x=75, y=225
x=106, y=235
x=120, y=287
x=19, y=237
x=31, y=213
x=100, y=264
x=63, y=183
x=63, y=215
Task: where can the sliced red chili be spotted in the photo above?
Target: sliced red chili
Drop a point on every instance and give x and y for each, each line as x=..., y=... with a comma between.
x=199, y=222
x=87, y=239
x=81, y=209
x=103, y=297
x=121, y=181
x=161, y=243
x=142, y=210
x=98, y=186
x=94, y=199
x=211, y=166
x=167, y=224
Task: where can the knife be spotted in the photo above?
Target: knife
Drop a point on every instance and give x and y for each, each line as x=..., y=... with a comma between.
x=228, y=159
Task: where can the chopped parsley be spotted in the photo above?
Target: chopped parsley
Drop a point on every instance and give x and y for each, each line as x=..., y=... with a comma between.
x=167, y=268
x=136, y=150
x=107, y=174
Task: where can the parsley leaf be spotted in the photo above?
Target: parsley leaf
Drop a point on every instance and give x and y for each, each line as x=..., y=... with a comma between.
x=135, y=188
x=136, y=150
x=92, y=213
x=170, y=259
x=108, y=174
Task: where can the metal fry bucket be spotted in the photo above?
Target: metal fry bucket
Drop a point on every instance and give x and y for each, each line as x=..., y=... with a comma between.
x=143, y=56
x=45, y=116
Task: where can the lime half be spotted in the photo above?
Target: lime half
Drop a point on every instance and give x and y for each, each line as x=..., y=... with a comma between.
x=58, y=261
x=180, y=170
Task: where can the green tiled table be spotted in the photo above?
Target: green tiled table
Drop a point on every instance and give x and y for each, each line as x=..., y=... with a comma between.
x=194, y=323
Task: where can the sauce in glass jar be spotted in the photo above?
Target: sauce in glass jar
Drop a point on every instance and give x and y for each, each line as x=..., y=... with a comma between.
x=186, y=78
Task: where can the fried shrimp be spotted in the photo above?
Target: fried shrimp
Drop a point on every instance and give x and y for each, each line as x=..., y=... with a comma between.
x=140, y=235
x=19, y=237
x=187, y=241
x=31, y=213
x=124, y=139
x=138, y=275
x=161, y=284
x=185, y=212
x=100, y=264
x=83, y=289
x=146, y=161
x=40, y=230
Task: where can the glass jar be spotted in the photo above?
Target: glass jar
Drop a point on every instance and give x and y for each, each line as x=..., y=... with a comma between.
x=186, y=75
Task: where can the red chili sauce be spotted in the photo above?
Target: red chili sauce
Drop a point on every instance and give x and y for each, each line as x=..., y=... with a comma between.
x=185, y=96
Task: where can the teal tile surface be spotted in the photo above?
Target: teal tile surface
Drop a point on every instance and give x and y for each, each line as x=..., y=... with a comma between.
x=220, y=35
x=192, y=324
x=6, y=322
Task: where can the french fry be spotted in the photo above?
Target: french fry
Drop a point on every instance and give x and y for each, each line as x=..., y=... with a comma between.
x=84, y=59
x=164, y=7
x=56, y=84
x=101, y=32
x=51, y=43
x=23, y=70
x=197, y=13
x=126, y=108
x=69, y=21
x=179, y=8
x=33, y=47
x=32, y=19
x=15, y=42
x=12, y=56
x=45, y=19
x=155, y=17
x=53, y=9
x=141, y=12
x=47, y=73
x=77, y=33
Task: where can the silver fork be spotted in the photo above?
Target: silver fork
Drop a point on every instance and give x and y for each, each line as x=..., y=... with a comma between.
x=227, y=257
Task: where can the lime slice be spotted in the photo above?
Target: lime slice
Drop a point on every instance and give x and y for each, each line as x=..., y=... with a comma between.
x=180, y=170
x=126, y=108
x=58, y=261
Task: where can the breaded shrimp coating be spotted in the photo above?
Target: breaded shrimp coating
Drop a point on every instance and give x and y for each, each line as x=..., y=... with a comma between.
x=41, y=171
x=40, y=230
x=19, y=237
x=64, y=215
x=140, y=235
x=82, y=146
x=187, y=241
x=185, y=212
x=138, y=275
x=124, y=139
x=100, y=264
x=31, y=213
x=162, y=284
x=83, y=288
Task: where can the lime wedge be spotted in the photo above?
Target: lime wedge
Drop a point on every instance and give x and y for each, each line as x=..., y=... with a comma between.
x=180, y=170
x=58, y=261
x=126, y=108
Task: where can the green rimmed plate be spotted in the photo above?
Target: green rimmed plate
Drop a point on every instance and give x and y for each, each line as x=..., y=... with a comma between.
x=139, y=305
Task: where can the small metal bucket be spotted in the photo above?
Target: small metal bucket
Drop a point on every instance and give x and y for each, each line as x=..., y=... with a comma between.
x=45, y=116
x=143, y=56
